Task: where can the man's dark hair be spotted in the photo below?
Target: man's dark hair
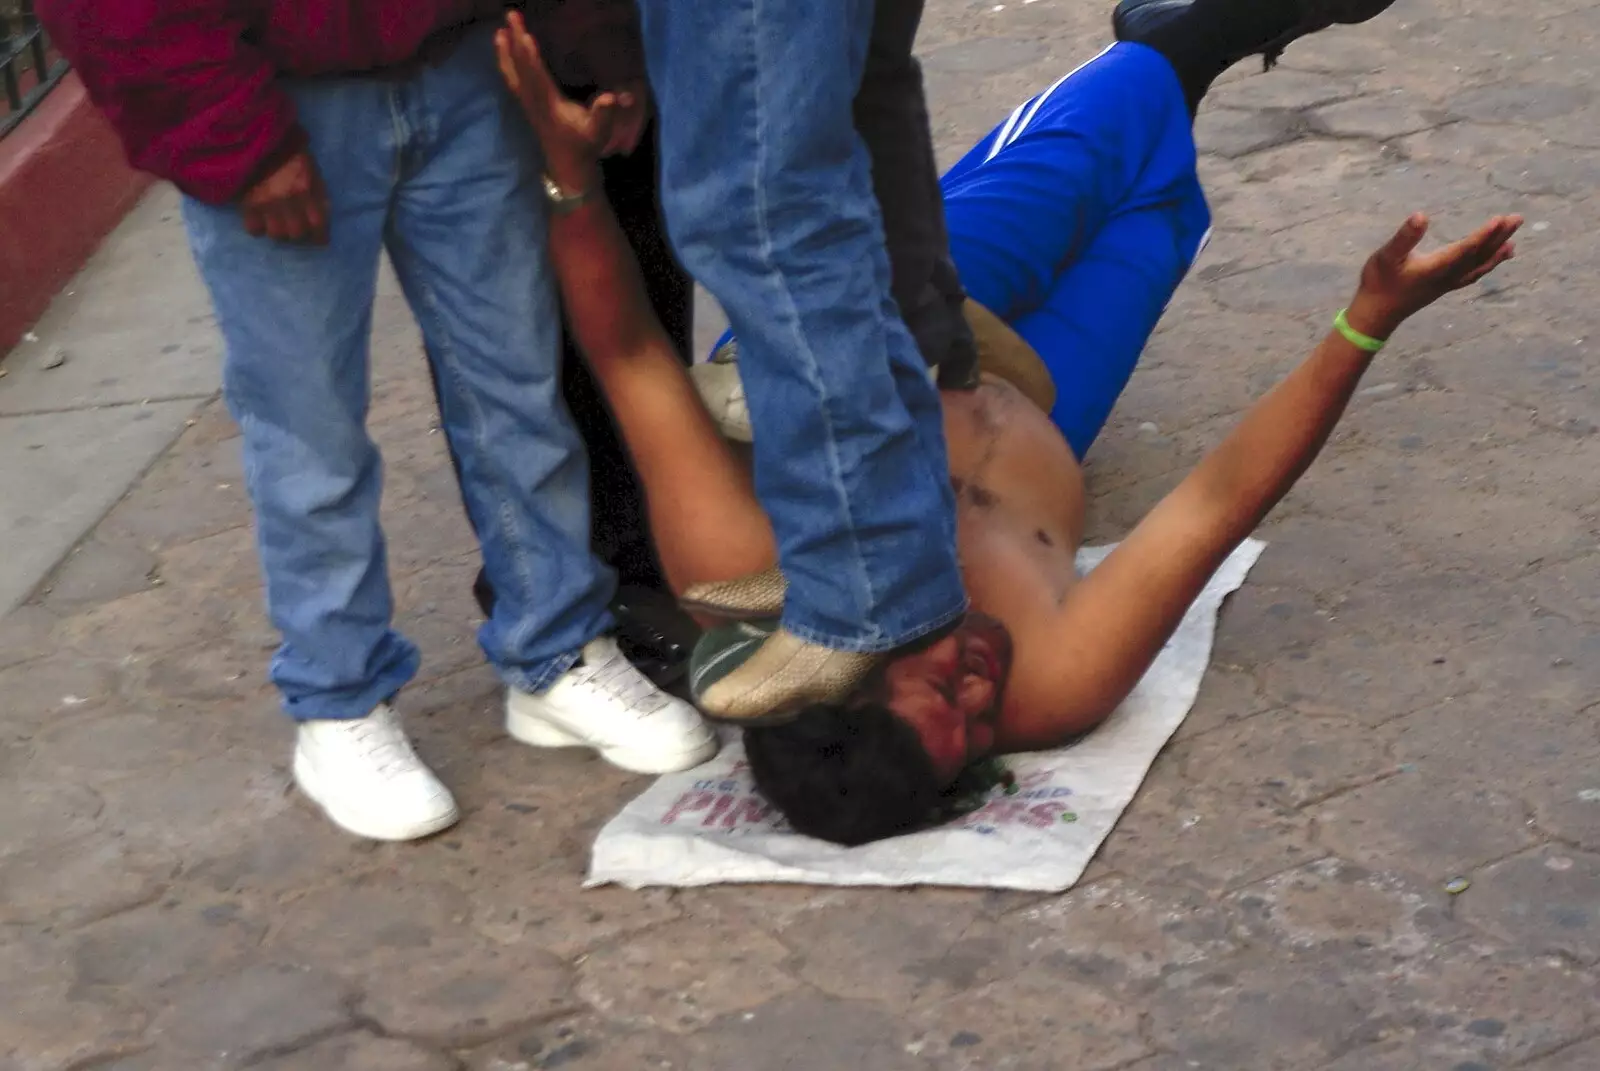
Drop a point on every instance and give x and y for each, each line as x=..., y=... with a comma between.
x=849, y=775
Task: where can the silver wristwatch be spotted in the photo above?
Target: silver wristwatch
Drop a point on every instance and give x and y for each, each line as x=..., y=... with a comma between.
x=562, y=201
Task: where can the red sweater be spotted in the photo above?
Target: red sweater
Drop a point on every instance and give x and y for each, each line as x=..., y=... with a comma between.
x=191, y=86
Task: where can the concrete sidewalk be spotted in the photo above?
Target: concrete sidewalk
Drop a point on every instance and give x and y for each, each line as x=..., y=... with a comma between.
x=99, y=389
x=1375, y=845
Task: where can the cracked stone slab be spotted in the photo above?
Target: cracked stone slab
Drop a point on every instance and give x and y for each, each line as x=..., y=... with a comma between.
x=1284, y=89
x=586, y=1043
x=462, y=992
x=1332, y=903
x=26, y=633
x=1231, y=133
x=47, y=1023
x=1123, y=935
x=1369, y=678
x=682, y=976
x=1580, y=1057
x=1561, y=172
x=361, y=1052
x=232, y=1020
x=210, y=808
x=984, y=55
x=99, y=570
x=1430, y=826
x=223, y=561
x=56, y=689
x=146, y=954
x=1520, y=744
x=117, y=742
x=1290, y=758
x=1444, y=610
x=807, y=1032
x=193, y=492
x=1019, y=1024
x=1192, y=836
x=909, y=950
x=1325, y=556
x=1553, y=660
x=1506, y=1007
x=1521, y=102
x=407, y=942
x=565, y=920
x=1227, y=695
x=1546, y=901
x=40, y=815
x=1377, y=118
x=73, y=884
x=163, y=620
x=1281, y=1015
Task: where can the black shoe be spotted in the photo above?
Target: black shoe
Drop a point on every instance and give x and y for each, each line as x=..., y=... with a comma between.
x=652, y=631
x=1238, y=28
x=654, y=634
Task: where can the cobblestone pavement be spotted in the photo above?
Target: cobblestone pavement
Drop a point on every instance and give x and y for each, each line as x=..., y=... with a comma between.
x=1399, y=708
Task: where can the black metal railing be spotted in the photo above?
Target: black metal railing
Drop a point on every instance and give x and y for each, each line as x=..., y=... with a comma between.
x=28, y=68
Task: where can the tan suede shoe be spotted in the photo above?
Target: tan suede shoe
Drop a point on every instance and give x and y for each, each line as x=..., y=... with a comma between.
x=782, y=676
x=757, y=595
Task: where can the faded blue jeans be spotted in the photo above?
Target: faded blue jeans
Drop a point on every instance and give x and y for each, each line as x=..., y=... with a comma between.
x=769, y=201
x=440, y=170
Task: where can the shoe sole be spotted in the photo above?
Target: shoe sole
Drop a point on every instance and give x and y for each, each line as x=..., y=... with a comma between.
x=758, y=721
x=535, y=731
x=306, y=778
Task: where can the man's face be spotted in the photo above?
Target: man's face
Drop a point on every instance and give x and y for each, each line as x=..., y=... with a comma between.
x=951, y=692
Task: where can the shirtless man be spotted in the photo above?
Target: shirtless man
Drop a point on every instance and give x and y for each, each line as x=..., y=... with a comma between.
x=1045, y=655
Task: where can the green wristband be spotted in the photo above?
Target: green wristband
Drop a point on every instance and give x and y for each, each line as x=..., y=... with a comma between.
x=1341, y=324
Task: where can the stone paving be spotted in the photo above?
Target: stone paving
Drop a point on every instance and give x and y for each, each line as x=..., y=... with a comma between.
x=1374, y=846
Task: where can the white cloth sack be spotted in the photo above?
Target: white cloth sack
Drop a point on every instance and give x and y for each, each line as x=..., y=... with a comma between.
x=707, y=825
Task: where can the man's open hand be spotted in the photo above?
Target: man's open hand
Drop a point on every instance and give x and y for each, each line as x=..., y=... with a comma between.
x=1397, y=281
x=574, y=136
x=289, y=203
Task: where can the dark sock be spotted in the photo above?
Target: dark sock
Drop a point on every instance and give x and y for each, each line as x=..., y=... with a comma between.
x=1213, y=35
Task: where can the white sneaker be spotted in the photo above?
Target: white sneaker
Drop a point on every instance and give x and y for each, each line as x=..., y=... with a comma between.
x=722, y=393
x=606, y=704
x=365, y=777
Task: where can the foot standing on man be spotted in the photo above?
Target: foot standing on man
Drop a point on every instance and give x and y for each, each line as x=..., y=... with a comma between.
x=769, y=199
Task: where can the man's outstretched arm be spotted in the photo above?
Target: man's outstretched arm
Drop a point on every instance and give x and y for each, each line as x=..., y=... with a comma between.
x=703, y=513
x=1116, y=621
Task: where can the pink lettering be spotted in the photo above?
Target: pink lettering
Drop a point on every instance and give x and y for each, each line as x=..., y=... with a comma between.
x=717, y=810
x=688, y=803
x=751, y=811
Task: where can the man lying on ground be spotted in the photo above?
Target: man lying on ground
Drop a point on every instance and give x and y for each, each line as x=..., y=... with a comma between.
x=1075, y=220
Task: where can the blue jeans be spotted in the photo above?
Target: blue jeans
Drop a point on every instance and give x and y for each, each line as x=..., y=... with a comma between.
x=769, y=201
x=439, y=169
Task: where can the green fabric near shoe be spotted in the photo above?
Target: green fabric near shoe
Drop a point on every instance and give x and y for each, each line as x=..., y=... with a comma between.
x=723, y=649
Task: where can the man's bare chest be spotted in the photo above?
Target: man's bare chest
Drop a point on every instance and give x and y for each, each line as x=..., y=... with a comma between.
x=1012, y=471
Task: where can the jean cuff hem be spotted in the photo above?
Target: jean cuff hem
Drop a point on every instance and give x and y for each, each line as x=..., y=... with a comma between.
x=878, y=644
x=348, y=706
x=535, y=683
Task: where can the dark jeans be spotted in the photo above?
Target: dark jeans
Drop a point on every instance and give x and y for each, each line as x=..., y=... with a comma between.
x=891, y=116
x=620, y=534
